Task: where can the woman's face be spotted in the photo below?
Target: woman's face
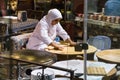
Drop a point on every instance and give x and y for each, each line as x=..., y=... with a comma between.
x=55, y=21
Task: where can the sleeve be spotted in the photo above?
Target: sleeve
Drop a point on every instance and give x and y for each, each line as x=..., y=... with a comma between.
x=43, y=34
x=61, y=32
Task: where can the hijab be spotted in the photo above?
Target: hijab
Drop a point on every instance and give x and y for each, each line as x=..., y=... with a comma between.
x=52, y=15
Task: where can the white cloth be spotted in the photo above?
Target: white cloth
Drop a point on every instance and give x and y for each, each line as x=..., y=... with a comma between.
x=45, y=33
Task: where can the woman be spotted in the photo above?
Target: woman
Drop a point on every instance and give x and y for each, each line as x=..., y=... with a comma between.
x=46, y=31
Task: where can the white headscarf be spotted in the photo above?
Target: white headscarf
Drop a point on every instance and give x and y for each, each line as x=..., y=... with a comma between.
x=53, y=14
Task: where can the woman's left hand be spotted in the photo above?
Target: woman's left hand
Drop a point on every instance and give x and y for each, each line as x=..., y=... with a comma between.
x=72, y=43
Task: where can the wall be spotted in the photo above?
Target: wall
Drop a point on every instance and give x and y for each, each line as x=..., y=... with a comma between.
x=25, y=4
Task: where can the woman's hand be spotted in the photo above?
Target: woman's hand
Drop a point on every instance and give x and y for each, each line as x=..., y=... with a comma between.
x=57, y=46
x=72, y=43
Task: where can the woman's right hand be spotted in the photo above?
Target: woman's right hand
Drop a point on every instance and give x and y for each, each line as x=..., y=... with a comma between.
x=57, y=46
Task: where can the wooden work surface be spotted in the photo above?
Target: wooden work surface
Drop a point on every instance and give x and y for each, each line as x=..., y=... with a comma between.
x=70, y=50
x=110, y=55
